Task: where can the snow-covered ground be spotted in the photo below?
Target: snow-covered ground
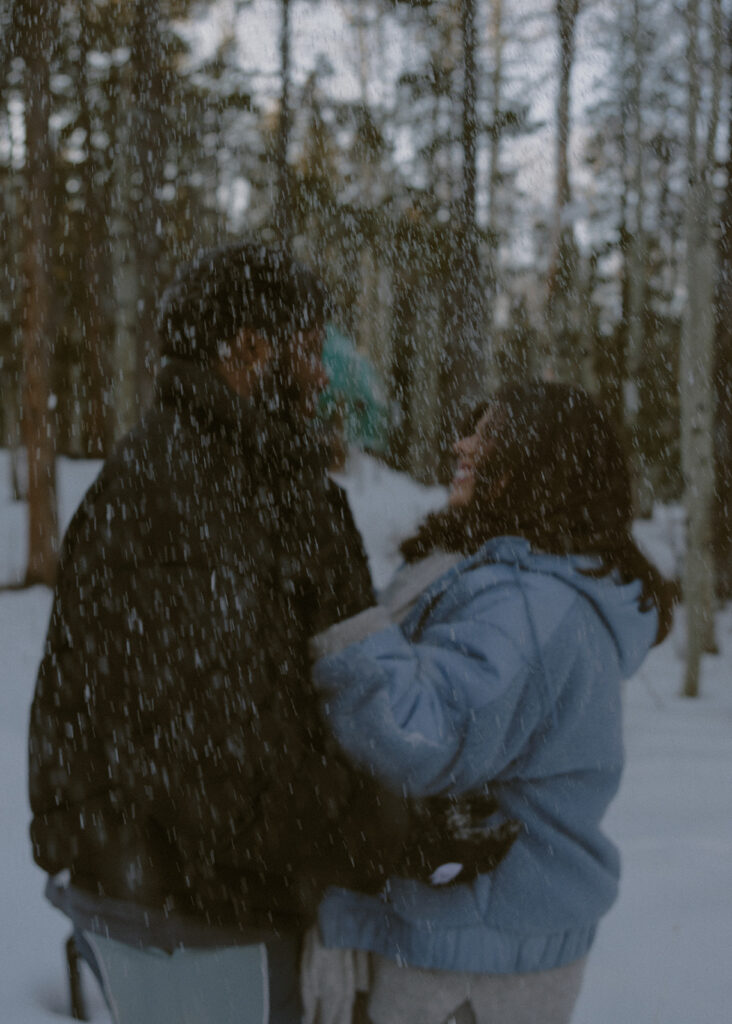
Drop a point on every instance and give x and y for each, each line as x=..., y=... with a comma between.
x=663, y=954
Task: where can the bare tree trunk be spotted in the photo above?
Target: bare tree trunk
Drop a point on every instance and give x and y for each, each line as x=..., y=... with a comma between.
x=283, y=213
x=373, y=328
x=618, y=393
x=636, y=246
x=424, y=395
x=93, y=340
x=723, y=374
x=495, y=137
x=562, y=299
x=494, y=172
x=123, y=408
x=10, y=313
x=636, y=272
x=464, y=356
x=470, y=120
x=566, y=12
x=148, y=149
x=38, y=417
x=697, y=348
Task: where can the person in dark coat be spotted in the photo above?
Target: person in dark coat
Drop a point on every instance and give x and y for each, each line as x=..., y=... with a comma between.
x=176, y=755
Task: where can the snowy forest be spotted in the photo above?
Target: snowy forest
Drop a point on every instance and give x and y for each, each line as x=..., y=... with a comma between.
x=492, y=190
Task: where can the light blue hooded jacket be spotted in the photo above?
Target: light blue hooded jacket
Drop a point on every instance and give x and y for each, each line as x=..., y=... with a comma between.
x=507, y=670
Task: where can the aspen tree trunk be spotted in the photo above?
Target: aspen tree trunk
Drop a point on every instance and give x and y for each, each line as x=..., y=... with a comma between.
x=697, y=348
x=38, y=417
x=723, y=373
x=10, y=396
x=283, y=211
x=635, y=270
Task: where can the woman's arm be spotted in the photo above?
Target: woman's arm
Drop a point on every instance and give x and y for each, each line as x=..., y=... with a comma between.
x=446, y=711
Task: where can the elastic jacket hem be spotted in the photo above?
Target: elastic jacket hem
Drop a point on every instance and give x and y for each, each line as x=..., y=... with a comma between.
x=478, y=949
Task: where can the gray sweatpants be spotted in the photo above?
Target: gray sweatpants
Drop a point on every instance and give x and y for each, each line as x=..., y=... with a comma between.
x=407, y=995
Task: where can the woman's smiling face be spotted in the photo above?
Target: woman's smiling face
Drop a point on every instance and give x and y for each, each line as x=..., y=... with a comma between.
x=472, y=451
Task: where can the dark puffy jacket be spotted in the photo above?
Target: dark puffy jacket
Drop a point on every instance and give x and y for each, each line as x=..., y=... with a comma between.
x=176, y=754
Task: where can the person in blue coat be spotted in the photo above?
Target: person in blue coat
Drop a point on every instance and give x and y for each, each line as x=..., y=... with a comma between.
x=493, y=664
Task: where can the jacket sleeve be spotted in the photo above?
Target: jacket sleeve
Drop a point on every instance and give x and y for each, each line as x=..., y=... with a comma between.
x=335, y=578
x=446, y=711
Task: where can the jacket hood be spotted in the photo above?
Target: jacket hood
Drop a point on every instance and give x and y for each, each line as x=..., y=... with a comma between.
x=618, y=604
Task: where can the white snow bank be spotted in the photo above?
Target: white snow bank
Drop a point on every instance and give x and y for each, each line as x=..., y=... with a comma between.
x=662, y=954
x=33, y=986
x=73, y=477
x=661, y=538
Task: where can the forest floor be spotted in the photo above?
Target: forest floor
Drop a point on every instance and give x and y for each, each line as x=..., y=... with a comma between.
x=662, y=955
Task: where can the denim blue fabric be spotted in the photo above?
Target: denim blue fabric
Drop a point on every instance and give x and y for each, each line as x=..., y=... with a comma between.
x=507, y=671
x=257, y=984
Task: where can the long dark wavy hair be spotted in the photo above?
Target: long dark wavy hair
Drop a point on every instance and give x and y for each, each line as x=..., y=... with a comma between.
x=558, y=477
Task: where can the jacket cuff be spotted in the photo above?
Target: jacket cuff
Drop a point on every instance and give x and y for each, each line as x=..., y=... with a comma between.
x=350, y=631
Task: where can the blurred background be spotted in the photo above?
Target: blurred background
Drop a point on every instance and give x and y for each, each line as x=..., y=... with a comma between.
x=492, y=189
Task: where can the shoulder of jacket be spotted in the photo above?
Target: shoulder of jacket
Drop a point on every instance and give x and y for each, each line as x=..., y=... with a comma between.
x=551, y=600
x=504, y=589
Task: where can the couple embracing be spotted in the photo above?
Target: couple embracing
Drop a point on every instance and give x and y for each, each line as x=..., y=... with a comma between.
x=399, y=798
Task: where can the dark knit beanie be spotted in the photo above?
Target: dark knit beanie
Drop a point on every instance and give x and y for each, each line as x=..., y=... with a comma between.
x=227, y=289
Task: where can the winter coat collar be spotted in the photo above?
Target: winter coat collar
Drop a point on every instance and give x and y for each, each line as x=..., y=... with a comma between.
x=198, y=392
x=205, y=397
